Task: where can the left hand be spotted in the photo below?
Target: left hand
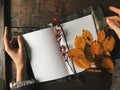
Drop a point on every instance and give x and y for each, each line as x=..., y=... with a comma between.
x=18, y=55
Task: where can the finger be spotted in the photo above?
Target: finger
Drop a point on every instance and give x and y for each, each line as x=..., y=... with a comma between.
x=115, y=18
x=114, y=26
x=114, y=9
x=6, y=41
x=117, y=23
x=20, y=43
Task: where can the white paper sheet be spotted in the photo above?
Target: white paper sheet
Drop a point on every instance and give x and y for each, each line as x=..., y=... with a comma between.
x=46, y=59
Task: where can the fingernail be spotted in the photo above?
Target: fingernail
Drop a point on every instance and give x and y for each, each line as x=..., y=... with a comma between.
x=108, y=20
x=5, y=27
x=19, y=36
x=111, y=7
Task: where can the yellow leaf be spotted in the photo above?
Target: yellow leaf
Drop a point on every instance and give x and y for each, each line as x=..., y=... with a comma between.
x=79, y=42
x=88, y=37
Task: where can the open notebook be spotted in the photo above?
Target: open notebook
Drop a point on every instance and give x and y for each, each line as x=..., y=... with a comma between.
x=44, y=53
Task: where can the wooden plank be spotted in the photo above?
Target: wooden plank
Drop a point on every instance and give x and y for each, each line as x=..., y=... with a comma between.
x=38, y=13
x=2, y=56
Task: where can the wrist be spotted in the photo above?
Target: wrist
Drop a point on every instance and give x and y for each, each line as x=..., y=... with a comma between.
x=20, y=67
x=21, y=74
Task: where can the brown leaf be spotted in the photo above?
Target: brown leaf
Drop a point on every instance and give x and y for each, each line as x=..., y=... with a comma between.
x=79, y=42
x=88, y=55
x=101, y=36
x=82, y=63
x=96, y=48
x=108, y=43
x=76, y=53
x=108, y=64
x=92, y=70
x=107, y=53
x=88, y=37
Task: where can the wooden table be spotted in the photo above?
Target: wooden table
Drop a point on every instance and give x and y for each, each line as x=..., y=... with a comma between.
x=22, y=16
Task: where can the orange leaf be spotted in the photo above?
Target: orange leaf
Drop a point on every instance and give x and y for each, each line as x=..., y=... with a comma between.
x=96, y=48
x=108, y=43
x=107, y=53
x=88, y=37
x=82, y=63
x=76, y=53
x=108, y=64
x=79, y=42
x=101, y=36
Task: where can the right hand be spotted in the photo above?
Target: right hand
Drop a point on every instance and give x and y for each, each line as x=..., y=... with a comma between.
x=114, y=21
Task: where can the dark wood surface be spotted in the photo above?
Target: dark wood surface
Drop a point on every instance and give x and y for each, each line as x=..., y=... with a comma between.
x=22, y=16
x=2, y=55
x=38, y=13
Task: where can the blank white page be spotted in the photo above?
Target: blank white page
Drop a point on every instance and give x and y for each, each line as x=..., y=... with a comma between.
x=45, y=57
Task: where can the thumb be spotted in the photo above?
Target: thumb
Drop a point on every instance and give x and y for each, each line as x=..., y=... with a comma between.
x=20, y=42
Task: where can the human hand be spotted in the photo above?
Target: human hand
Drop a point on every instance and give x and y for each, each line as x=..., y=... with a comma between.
x=114, y=21
x=18, y=55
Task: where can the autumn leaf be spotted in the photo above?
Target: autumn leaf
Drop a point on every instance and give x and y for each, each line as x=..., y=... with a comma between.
x=79, y=42
x=82, y=63
x=88, y=37
x=108, y=64
x=108, y=43
x=101, y=36
x=76, y=53
x=88, y=52
x=107, y=53
x=96, y=48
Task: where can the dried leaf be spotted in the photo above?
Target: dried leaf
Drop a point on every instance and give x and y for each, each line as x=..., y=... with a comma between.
x=96, y=48
x=92, y=70
x=79, y=42
x=108, y=64
x=108, y=43
x=107, y=53
x=101, y=36
x=88, y=37
x=76, y=53
x=88, y=55
x=82, y=63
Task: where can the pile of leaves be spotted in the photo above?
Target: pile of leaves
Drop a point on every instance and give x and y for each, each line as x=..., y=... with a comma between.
x=89, y=52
